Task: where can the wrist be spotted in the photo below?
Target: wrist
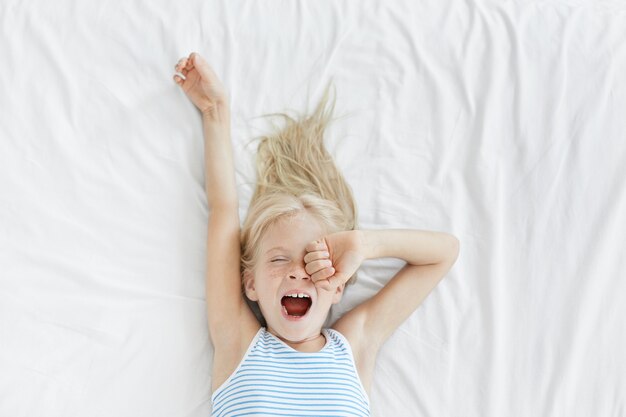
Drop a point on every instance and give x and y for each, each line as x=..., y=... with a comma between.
x=369, y=243
x=218, y=115
x=416, y=247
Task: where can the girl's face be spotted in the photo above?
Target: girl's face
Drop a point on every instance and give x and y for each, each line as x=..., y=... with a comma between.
x=280, y=271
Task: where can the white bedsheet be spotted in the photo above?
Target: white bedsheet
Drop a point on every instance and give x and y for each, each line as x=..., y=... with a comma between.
x=503, y=123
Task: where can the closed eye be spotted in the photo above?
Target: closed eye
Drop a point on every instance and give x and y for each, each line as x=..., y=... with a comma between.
x=275, y=260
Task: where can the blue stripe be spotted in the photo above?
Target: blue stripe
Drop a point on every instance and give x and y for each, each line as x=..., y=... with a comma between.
x=285, y=392
x=341, y=374
x=302, y=370
x=289, y=352
x=296, y=361
x=274, y=413
x=311, y=405
x=322, y=391
x=311, y=402
x=278, y=406
x=264, y=364
x=274, y=379
x=323, y=380
x=271, y=342
x=292, y=380
x=335, y=408
x=354, y=388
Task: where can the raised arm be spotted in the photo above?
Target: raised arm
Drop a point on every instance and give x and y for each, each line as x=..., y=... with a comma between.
x=226, y=309
x=220, y=185
x=224, y=298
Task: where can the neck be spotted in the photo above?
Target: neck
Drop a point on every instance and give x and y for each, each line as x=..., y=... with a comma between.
x=308, y=339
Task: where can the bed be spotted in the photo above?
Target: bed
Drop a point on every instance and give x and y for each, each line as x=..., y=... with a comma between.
x=502, y=123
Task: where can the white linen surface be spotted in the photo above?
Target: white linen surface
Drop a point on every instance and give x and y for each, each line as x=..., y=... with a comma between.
x=502, y=123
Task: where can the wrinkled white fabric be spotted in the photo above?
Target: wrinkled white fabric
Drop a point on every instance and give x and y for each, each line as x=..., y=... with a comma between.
x=502, y=123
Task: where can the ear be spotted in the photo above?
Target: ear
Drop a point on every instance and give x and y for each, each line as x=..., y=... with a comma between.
x=249, y=287
x=338, y=293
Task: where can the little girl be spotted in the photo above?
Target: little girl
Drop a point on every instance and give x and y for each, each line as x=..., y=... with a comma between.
x=297, y=250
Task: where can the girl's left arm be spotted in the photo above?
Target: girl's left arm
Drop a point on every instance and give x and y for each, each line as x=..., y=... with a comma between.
x=429, y=256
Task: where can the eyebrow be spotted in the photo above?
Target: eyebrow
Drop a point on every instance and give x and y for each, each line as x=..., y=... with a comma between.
x=276, y=248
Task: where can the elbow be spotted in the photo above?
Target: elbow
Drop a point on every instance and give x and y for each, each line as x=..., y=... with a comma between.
x=454, y=249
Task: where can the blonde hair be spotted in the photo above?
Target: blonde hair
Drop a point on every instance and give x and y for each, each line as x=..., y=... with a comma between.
x=296, y=174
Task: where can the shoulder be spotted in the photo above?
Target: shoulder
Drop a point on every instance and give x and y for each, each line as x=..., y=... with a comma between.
x=352, y=326
x=227, y=359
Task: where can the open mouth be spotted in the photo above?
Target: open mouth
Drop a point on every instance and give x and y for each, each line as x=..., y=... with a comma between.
x=296, y=305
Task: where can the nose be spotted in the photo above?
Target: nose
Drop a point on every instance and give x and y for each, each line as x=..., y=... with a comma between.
x=299, y=272
x=292, y=276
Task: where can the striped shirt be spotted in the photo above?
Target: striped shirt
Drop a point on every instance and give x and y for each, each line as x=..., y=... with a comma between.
x=273, y=379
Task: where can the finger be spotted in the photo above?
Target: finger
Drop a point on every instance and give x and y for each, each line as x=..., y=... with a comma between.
x=313, y=256
x=334, y=281
x=180, y=64
x=330, y=283
x=184, y=64
x=323, y=284
x=315, y=266
x=204, y=69
x=178, y=80
x=196, y=60
x=191, y=60
x=315, y=245
x=323, y=274
x=182, y=70
x=182, y=73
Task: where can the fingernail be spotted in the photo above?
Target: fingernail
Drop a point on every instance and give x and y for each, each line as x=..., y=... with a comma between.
x=326, y=254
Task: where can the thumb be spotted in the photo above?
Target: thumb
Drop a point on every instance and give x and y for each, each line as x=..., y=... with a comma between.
x=336, y=280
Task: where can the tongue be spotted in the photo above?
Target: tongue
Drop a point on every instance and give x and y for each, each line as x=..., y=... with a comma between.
x=296, y=306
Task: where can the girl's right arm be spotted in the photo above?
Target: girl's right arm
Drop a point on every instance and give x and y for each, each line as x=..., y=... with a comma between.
x=228, y=314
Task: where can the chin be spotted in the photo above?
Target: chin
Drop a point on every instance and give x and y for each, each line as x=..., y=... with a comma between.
x=297, y=329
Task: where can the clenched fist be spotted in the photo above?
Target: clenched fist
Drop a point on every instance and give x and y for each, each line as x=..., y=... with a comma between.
x=333, y=259
x=202, y=86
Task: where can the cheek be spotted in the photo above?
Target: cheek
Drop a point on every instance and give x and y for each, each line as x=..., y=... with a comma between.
x=275, y=271
x=324, y=302
x=269, y=280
